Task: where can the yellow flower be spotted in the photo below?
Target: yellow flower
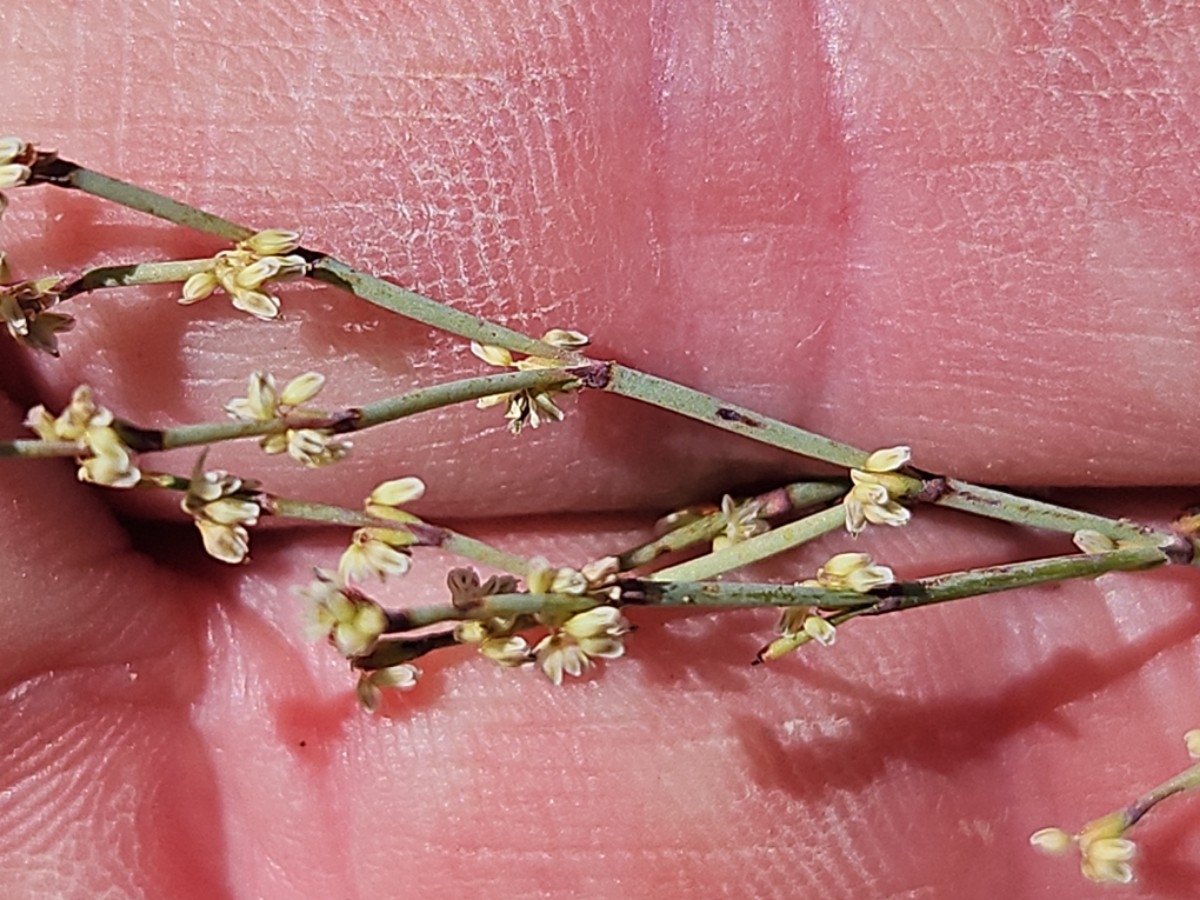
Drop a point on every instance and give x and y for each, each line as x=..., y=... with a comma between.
x=265, y=403
x=350, y=621
x=528, y=407
x=110, y=462
x=401, y=677
x=221, y=517
x=104, y=457
x=594, y=634
x=872, y=498
x=510, y=651
x=741, y=522
x=380, y=552
x=853, y=572
x=1192, y=741
x=243, y=271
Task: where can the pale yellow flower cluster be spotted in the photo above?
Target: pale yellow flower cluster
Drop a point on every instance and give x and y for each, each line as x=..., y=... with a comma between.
x=104, y=458
x=1106, y=855
x=265, y=403
x=378, y=551
x=875, y=489
x=243, y=271
x=800, y=624
x=25, y=308
x=530, y=408
x=16, y=156
x=349, y=620
x=221, y=516
x=574, y=639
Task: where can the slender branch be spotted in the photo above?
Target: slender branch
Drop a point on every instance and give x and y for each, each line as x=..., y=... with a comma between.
x=993, y=579
x=995, y=504
x=50, y=169
x=32, y=449
x=751, y=550
x=104, y=277
x=792, y=497
x=425, y=534
x=422, y=309
x=1186, y=780
x=729, y=417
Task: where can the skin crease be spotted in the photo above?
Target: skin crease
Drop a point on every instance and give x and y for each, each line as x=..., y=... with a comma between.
x=964, y=226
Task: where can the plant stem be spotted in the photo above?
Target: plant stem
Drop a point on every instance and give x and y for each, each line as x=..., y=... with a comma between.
x=993, y=579
x=994, y=504
x=31, y=449
x=422, y=309
x=751, y=550
x=426, y=535
x=133, y=274
x=1186, y=780
x=801, y=495
x=729, y=417
x=50, y=169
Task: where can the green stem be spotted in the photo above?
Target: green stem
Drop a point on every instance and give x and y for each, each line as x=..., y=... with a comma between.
x=995, y=504
x=993, y=579
x=751, y=550
x=133, y=274
x=30, y=449
x=426, y=535
x=801, y=495
x=729, y=417
x=1186, y=780
x=66, y=174
x=422, y=309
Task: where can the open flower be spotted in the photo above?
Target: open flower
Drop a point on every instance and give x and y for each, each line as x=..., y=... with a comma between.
x=741, y=522
x=376, y=551
x=104, y=458
x=371, y=684
x=528, y=407
x=220, y=515
x=872, y=498
x=25, y=305
x=594, y=634
x=264, y=402
x=349, y=620
x=243, y=271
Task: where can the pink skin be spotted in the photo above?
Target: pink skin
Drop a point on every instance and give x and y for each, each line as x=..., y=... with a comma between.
x=958, y=227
